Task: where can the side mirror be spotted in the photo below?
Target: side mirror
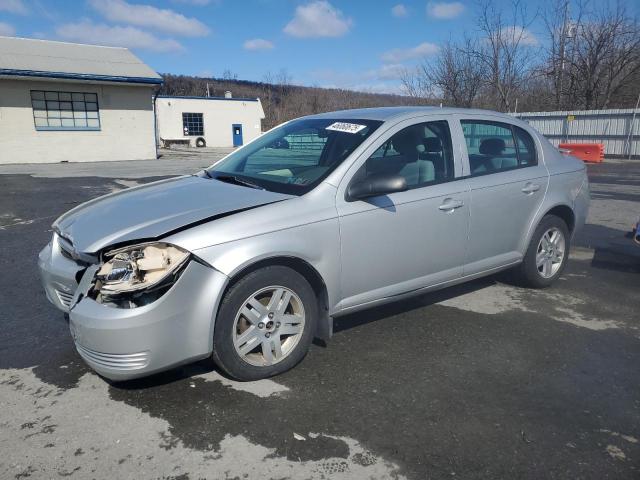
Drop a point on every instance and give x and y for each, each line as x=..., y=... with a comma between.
x=376, y=185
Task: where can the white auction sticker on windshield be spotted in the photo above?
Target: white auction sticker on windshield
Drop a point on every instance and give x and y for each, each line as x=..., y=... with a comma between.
x=345, y=127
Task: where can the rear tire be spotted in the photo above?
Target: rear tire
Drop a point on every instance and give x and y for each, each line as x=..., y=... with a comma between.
x=200, y=142
x=547, y=254
x=265, y=324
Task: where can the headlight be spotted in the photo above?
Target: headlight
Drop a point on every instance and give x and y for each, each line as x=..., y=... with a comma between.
x=139, y=267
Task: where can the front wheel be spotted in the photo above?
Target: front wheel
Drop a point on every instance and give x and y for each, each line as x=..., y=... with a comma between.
x=265, y=324
x=547, y=254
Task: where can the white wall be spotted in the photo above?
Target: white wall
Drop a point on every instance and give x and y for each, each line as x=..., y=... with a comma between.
x=218, y=116
x=126, y=119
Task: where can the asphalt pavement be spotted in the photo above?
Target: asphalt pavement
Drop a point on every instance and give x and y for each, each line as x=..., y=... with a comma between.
x=481, y=381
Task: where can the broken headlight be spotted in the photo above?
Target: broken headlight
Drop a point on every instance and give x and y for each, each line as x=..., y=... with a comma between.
x=137, y=269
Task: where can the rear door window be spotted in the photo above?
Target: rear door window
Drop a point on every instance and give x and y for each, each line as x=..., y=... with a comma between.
x=494, y=146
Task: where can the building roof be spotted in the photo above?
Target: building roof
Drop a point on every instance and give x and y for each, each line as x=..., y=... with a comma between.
x=193, y=97
x=26, y=57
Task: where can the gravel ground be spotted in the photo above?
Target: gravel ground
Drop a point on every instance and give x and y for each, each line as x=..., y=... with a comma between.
x=483, y=380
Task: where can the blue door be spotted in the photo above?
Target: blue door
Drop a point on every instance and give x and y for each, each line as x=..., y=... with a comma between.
x=237, y=134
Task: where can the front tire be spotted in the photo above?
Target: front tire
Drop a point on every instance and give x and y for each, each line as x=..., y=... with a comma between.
x=265, y=324
x=547, y=254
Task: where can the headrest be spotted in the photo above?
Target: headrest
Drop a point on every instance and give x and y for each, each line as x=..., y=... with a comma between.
x=432, y=145
x=405, y=142
x=492, y=146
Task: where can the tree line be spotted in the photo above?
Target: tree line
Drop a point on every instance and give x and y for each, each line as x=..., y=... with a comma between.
x=281, y=99
x=588, y=58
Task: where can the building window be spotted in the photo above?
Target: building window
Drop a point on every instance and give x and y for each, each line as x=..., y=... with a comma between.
x=65, y=110
x=192, y=124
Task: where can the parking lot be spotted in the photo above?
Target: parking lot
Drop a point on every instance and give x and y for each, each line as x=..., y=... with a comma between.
x=483, y=380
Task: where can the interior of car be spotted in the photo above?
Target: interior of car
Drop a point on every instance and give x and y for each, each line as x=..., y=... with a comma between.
x=421, y=153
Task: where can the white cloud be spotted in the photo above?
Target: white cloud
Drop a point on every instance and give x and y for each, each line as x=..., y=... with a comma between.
x=258, y=44
x=399, y=11
x=164, y=20
x=398, y=55
x=7, y=30
x=13, y=6
x=381, y=80
x=392, y=71
x=444, y=10
x=519, y=34
x=115, y=36
x=197, y=3
x=318, y=19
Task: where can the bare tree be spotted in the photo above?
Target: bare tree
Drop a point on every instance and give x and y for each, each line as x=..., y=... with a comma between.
x=456, y=74
x=414, y=83
x=452, y=77
x=504, y=50
x=490, y=69
x=606, y=53
x=593, y=56
x=560, y=31
x=228, y=75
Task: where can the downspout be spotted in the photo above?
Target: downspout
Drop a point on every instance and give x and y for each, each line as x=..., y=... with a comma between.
x=155, y=120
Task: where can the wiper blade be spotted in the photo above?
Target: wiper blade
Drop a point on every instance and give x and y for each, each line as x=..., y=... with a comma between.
x=237, y=181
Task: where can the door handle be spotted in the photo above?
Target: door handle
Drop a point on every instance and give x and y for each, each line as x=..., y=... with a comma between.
x=449, y=205
x=530, y=188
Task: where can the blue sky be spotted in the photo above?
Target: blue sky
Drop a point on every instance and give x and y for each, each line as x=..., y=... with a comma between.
x=355, y=44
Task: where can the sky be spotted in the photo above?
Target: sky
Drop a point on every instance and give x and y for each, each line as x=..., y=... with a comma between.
x=355, y=44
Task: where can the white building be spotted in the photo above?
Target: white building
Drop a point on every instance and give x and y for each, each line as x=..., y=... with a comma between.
x=70, y=102
x=208, y=121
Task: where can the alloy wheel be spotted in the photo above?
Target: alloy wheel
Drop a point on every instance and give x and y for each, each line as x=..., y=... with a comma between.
x=550, y=253
x=268, y=326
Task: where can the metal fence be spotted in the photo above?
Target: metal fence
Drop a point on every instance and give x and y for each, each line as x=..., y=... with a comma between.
x=619, y=130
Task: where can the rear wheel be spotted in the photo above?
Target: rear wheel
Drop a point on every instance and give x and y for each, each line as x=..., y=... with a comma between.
x=547, y=254
x=265, y=324
x=200, y=142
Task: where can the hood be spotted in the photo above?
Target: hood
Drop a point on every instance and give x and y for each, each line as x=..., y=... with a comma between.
x=153, y=210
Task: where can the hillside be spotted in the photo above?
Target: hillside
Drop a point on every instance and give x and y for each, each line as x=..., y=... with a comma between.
x=281, y=100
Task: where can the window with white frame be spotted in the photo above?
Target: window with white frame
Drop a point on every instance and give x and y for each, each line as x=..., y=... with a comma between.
x=65, y=110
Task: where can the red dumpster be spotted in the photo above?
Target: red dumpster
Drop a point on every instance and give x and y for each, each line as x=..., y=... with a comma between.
x=587, y=152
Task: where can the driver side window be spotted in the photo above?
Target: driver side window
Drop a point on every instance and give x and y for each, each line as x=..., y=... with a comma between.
x=421, y=153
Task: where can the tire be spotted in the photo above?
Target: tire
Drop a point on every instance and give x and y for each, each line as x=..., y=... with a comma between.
x=200, y=142
x=545, y=261
x=252, y=320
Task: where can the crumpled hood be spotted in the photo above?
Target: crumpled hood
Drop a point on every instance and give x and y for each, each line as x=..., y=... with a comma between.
x=153, y=210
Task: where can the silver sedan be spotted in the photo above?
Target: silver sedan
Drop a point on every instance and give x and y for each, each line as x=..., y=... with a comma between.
x=250, y=259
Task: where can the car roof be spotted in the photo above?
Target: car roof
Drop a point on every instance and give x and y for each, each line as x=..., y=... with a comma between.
x=400, y=113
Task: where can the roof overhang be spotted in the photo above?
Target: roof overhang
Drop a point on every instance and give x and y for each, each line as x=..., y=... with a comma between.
x=78, y=77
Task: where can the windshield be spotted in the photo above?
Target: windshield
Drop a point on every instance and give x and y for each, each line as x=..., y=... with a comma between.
x=295, y=157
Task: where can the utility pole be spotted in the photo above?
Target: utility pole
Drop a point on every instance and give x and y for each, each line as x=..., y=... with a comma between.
x=563, y=40
x=631, y=125
x=207, y=89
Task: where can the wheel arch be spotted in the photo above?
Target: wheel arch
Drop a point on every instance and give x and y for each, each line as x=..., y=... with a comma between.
x=560, y=209
x=566, y=213
x=324, y=329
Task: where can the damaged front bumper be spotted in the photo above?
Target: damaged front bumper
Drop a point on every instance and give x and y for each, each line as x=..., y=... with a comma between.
x=125, y=343
x=59, y=274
